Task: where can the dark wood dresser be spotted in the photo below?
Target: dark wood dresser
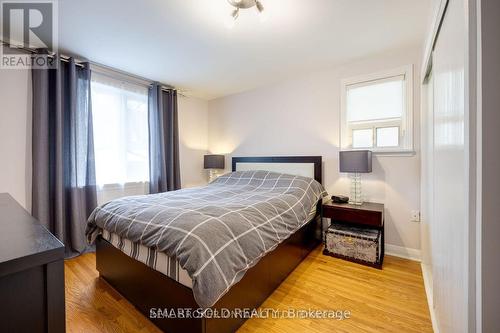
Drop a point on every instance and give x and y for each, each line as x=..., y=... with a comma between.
x=31, y=273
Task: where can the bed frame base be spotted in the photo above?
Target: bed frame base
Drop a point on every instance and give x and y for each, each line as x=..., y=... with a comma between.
x=148, y=289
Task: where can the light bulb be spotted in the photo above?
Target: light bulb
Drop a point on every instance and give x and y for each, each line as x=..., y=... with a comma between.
x=263, y=16
x=231, y=20
x=261, y=11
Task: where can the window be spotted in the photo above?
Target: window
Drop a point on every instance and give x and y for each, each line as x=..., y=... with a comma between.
x=376, y=112
x=121, y=136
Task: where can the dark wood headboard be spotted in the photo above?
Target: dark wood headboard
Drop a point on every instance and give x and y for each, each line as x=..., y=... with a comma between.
x=316, y=161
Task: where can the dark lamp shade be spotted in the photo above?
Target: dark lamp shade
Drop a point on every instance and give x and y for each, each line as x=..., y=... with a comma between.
x=213, y=161
x=356, y=161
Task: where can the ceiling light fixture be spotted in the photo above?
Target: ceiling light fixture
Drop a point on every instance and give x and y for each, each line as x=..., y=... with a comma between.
x=244, y=4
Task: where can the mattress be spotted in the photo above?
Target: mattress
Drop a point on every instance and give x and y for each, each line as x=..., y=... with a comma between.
x=158, y=261
x=215, y=232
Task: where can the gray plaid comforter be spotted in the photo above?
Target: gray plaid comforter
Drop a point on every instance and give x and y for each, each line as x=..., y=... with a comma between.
x=216, y=232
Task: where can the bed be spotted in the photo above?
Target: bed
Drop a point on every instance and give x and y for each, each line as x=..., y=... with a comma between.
x=157, y=273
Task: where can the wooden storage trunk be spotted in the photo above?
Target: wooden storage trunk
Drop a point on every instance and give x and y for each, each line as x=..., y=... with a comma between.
x=356, y=244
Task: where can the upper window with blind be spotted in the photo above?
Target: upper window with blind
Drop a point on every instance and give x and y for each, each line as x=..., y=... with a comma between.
x=121, y=139
x=376, y=112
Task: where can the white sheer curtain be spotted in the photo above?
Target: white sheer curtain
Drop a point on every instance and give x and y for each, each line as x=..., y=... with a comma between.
x=121, y=137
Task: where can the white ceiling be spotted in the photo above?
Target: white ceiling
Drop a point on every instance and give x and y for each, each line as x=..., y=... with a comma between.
x=185, y=43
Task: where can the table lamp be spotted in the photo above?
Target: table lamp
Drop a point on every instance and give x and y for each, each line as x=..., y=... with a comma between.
x=356, y=162
x=213, y=163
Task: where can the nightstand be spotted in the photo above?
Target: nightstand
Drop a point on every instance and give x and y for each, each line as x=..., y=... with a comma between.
x=368, y=216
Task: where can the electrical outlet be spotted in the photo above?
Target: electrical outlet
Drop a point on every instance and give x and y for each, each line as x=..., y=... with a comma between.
x=415, y=216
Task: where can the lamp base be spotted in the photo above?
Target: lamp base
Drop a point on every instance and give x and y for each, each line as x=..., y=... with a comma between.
x=212, y=175
x=356, y=197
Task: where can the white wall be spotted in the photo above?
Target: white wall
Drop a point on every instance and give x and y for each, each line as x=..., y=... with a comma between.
x=193, y=140
x=301, y=117
x=15, y=135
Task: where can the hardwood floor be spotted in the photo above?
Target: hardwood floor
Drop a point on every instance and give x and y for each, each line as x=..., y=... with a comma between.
x=388, y=300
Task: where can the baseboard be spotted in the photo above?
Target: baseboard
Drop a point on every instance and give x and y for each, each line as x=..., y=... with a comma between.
x=427, y=275
x=414, y=254
x=402, y=252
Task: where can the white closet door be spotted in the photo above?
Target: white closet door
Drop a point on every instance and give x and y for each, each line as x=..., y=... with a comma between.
x=449, y=225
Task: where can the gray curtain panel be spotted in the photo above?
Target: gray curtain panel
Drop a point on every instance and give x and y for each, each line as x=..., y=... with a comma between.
x=164, y=171
x=64, y=187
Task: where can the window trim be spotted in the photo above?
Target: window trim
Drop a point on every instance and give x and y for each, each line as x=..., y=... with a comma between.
x=405, y=125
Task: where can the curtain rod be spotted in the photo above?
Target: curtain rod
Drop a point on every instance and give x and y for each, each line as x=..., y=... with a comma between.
x=34, y=51
x=79, y=62
x=113, y=72
x=122, y=75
